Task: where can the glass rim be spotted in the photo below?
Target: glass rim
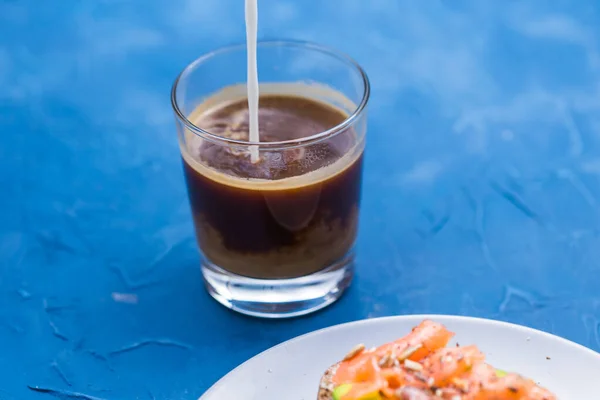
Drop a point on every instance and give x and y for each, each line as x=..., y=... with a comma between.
x=348, y=121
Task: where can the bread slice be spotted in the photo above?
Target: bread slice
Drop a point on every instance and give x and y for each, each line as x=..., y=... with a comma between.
x=326, y=385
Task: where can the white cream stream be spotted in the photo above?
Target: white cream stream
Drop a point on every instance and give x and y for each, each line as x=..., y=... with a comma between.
x=252, y=78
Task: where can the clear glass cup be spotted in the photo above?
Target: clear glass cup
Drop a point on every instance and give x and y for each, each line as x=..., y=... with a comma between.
x=279, y=241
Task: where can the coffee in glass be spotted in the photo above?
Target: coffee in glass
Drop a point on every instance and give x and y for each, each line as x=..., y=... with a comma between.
x=277, y=230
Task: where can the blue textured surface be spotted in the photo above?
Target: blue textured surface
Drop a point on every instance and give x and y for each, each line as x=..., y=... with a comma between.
x=481, y=191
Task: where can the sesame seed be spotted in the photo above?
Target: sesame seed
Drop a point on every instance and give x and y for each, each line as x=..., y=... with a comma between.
x=415, y=366
x=383, y=361
x=356, y=350
x=409, y=352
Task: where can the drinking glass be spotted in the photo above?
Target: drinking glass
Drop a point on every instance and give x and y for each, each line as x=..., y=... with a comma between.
x=282, y=244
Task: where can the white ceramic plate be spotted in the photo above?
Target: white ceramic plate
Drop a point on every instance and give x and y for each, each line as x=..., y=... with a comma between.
x=292, y=370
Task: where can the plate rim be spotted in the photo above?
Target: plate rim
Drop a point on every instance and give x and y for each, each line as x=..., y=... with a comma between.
x=434, y=317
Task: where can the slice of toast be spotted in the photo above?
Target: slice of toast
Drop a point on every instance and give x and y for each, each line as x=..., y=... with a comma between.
x=427, y=343
x=326, y=385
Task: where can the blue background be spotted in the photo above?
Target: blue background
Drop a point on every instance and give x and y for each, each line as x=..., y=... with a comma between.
x=481, y=186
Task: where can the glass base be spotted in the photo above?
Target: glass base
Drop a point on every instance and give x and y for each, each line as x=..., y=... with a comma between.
x=279, y=298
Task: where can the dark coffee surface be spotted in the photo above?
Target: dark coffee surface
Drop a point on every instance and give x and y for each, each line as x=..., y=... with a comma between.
x=281, y=117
